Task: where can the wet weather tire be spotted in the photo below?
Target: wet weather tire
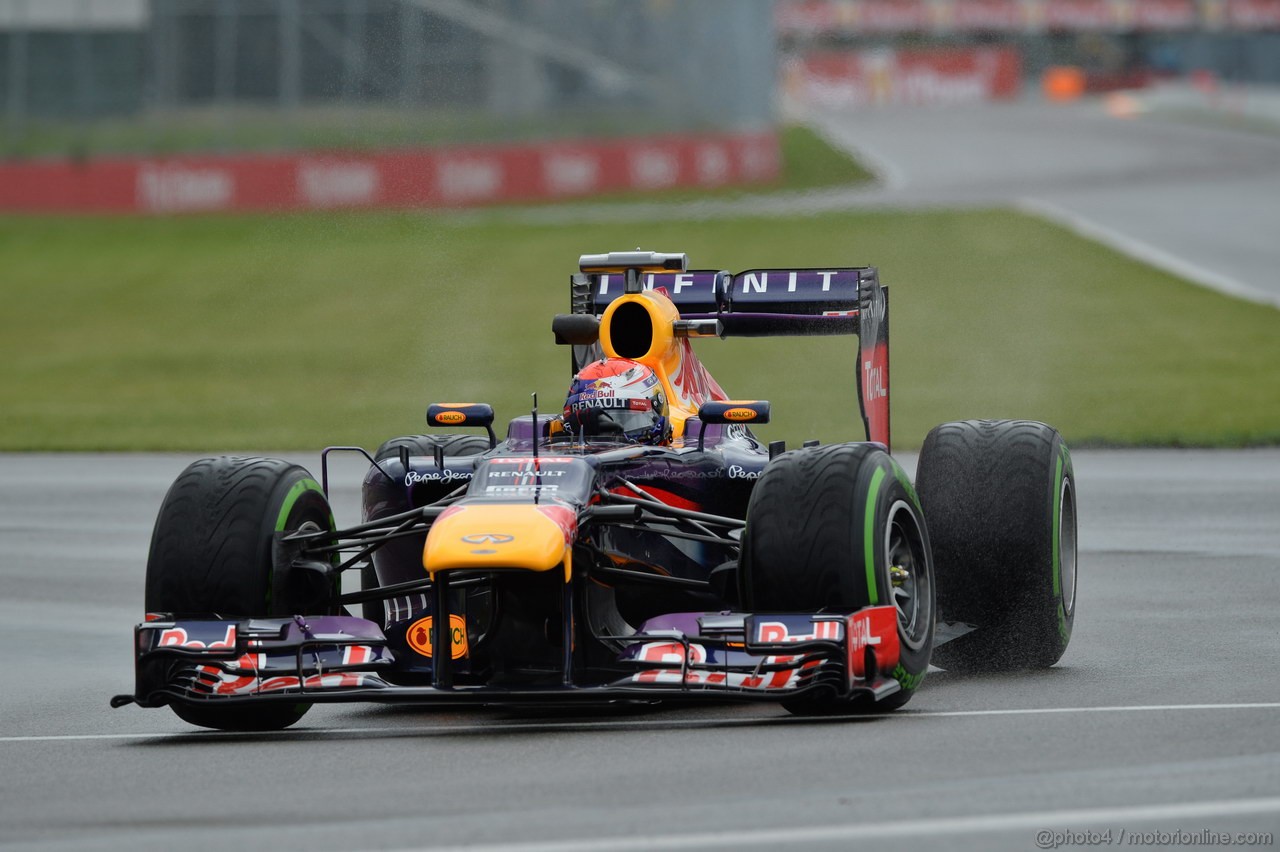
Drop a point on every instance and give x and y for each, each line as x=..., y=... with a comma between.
x=1000, y=500
x=823, y=526
x=211, y=555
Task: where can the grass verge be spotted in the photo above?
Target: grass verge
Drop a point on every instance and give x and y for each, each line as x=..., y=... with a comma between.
x=201, y=334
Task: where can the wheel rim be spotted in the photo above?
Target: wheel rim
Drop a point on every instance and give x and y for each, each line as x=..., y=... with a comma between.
x=1067, y=546
x=909, y=578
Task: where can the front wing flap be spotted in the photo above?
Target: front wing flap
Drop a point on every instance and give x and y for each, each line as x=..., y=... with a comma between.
x=772, y=655
x=199, y=660
x=343, y=659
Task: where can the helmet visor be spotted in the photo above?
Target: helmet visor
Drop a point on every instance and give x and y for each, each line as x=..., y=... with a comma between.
x=619, y=424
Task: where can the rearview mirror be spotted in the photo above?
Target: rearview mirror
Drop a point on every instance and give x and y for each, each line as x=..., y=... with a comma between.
x=730, y=411
x=451, y=414
x=735, y=411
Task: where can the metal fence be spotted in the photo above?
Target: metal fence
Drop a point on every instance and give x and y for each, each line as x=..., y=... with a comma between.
x=89, y=77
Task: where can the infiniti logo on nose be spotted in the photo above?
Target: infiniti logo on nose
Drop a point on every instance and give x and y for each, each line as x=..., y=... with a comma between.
x=487, y=538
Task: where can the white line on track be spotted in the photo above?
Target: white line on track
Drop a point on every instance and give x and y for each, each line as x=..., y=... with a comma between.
x=653, y=724
x=1146, y=253
x=889, y=173
x=1038, y=821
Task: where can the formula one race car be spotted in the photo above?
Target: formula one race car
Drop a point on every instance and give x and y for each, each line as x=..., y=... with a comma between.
x=640, y=545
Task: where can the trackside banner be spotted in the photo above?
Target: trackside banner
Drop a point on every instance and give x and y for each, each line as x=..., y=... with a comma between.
x=903, y=77
x=436, y=177
x=808, y=18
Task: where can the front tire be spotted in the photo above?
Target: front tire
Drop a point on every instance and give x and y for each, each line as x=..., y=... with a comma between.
x=825, y=526
x=1001, y=503
x=211, y=556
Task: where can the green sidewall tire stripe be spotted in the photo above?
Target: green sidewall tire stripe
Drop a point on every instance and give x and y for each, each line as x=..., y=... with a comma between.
x=1064, y=458
x=869, y=537
x=299, y=488
x=1057, y=530
x=906, y=484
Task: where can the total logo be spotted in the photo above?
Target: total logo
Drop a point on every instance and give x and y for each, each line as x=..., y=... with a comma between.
x=419, y=636
x=873, y=383
x=860, y=635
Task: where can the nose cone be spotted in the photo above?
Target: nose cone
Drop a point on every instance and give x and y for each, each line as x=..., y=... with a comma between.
x=499, y=535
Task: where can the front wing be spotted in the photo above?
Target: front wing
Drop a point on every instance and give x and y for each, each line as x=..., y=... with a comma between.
x=210, y=662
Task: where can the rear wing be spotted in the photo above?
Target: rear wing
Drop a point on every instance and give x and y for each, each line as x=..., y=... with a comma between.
x=759, y=303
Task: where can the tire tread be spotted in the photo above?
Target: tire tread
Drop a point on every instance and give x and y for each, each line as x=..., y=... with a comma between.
x=987, y=488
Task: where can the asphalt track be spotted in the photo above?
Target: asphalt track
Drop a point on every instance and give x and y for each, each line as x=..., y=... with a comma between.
x=1164, y=715
x=1198, y=200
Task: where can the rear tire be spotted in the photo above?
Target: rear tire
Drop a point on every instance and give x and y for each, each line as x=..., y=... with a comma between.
x=425, y=445
x=823, y=526
x=999, y=496
x=211, y=556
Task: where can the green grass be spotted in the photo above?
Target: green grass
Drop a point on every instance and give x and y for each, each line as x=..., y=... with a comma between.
x=810, y=163
x=293, y=332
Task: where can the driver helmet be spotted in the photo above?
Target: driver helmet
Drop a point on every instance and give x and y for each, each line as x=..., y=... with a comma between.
x=617, y=399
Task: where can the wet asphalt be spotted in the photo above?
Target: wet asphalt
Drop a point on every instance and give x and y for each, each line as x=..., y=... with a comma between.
x=1164, y=715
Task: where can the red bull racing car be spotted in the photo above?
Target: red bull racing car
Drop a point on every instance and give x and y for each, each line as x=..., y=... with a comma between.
x=641, y=544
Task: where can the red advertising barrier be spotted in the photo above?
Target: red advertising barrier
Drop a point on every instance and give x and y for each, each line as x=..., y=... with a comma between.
x=981, y=16
x=807, y=18
x=1164, y=16
x=1253, y=14
x=1079, y=15
x=880, y=77
x=440, y=177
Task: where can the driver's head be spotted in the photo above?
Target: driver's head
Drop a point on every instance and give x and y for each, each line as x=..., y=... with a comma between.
x=617, y=399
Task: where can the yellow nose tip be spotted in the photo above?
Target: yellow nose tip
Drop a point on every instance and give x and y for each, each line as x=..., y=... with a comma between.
x=496, y=536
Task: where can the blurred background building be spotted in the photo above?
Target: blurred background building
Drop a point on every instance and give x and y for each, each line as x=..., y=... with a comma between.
x=864, y=52
x=100, y=76
x=667, y=93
